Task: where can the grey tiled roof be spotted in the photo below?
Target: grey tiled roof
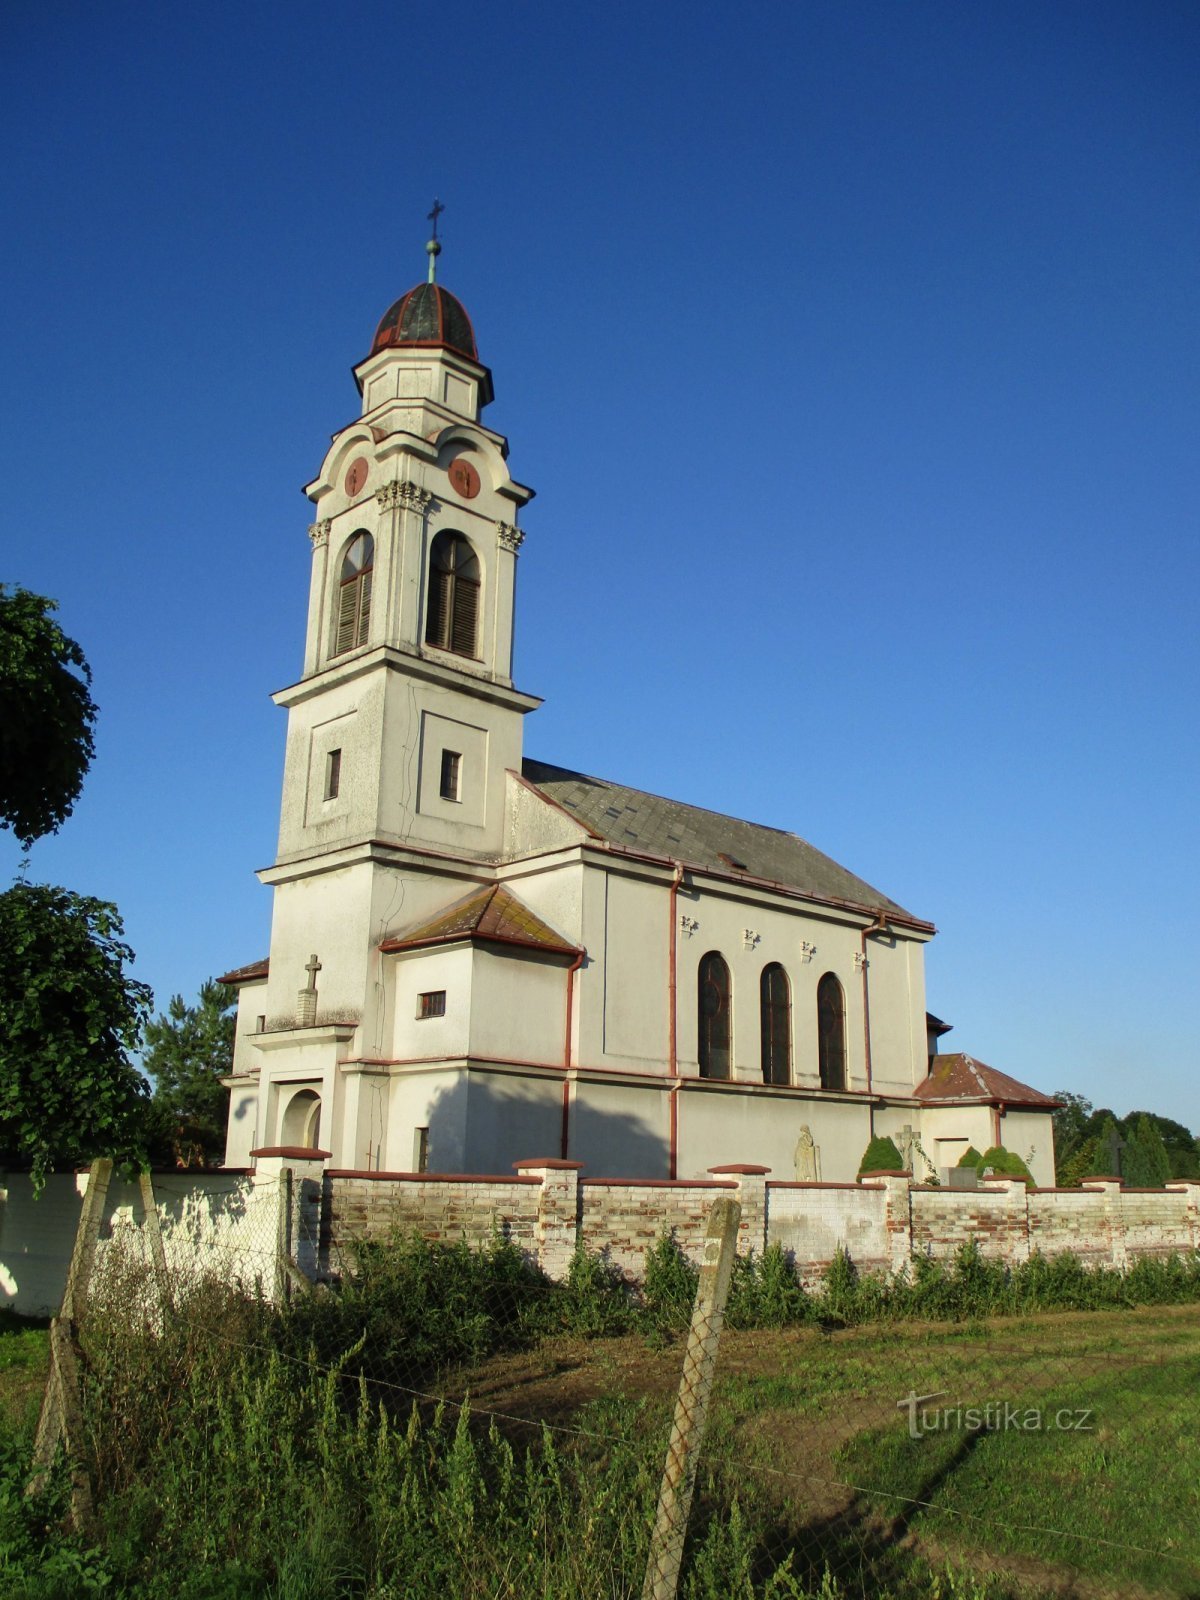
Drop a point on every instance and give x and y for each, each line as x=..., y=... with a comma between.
x=701, y=838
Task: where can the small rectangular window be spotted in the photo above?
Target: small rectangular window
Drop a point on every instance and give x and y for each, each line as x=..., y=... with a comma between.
x=431, y=1004
x=451, y=772
x=260, y=1024
x=420, y=1149
x=333, y=774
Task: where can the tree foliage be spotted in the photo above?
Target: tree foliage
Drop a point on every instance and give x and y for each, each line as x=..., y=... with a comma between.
x=1083, y=1144
x=46, y=717
x=70, y=1018
x=189, y=1051
x=1144, y=1160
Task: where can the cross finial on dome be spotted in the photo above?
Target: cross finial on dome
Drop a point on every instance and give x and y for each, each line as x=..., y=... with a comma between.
x=434, y=248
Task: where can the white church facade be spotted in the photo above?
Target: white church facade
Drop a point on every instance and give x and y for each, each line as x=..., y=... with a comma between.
x=478, y=958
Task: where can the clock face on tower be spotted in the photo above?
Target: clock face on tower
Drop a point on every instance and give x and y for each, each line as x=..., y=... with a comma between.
x=464, y=478
x=356, y=476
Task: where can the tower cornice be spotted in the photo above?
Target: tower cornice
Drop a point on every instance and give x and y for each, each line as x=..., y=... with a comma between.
x=388, y=658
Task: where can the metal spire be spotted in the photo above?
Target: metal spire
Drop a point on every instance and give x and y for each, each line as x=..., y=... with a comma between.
x=434, y=248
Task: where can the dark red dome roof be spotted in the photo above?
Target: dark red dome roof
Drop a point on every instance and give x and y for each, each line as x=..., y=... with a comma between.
x=427, y=315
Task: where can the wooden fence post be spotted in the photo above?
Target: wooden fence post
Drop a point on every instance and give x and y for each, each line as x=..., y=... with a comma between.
x=62, y=1413
x=691, y=1408
x=158, y=1254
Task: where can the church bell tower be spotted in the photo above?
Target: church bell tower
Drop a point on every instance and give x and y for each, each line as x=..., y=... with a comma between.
x=406, y=717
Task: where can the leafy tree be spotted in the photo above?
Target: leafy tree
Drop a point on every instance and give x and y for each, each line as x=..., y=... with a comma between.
x=189, y=1051
x=46, y=717
x=1071, y=1130
x=1144, y=1161
x=70, y=1018
x=881, y=1155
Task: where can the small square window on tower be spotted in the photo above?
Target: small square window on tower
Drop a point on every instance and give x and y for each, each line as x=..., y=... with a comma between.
x=333, y=774
x=431, y=1004
x=451, y=775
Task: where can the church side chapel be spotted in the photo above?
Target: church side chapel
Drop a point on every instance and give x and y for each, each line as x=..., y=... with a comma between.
x=478, y=958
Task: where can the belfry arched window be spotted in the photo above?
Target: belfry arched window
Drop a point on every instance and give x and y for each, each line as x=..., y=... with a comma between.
x=831, y=1032
x=452, y=621
x=775, y=1017
x=354, y=594
x=714, y=1016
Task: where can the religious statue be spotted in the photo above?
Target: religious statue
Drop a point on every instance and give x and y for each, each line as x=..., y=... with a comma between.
x=807, y=1158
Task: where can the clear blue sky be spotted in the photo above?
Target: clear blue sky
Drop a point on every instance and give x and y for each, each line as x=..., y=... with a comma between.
x=853, y=349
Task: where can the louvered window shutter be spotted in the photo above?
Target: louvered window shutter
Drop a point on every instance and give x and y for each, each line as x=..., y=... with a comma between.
x=347, y=610
x=439, y=605
x=364, y=607
x=466, y=610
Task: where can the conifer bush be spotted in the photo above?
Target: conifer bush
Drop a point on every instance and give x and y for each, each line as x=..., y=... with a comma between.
x=881, y=1155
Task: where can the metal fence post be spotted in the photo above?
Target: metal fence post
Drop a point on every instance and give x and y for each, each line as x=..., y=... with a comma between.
x=691, y=1408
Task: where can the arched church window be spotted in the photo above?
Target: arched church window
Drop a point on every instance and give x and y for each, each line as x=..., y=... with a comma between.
x=354, y=593
x=831, y=1032
x=453, y=618
x=714, y=1016
x=775, y=1015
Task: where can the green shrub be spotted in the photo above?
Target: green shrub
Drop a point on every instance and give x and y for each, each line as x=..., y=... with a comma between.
x=881, y=1155
x=1004, y=1163
x=765, y=1292
x=595, y=1301
x=412, y=1307
x=669, y=1286
x=970, y=1158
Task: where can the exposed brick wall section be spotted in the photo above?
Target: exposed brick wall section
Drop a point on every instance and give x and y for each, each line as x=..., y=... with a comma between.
x=369, y=1206
x=994, y=1216
x=623, y=1220
x=1073, y=1220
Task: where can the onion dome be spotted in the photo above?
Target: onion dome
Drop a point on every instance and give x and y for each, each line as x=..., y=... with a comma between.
x=427, y=316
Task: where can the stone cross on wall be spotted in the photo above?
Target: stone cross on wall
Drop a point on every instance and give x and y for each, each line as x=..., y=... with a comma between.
x=306, y=1000
x=1114, y=1144
x=905, y=1140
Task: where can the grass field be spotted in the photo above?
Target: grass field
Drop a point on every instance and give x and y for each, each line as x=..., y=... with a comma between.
x=807, y=1434
x=809, y=1422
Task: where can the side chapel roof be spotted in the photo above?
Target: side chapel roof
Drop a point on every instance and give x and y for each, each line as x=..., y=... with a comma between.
x=491, y=913
x=958, y=1077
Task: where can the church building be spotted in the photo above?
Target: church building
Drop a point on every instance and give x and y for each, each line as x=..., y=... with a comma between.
x=478, y=958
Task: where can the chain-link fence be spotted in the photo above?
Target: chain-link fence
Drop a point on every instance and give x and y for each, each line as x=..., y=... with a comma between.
x=441, y=1421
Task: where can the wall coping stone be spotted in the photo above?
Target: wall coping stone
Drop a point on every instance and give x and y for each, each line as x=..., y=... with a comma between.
x=807, y=1183
x=549, y=1164
x=661, y=1183
x=428, y=1177
x=292, y=1152
x=746, y=1169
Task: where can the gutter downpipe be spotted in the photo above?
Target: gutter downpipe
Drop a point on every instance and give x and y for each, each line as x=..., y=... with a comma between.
x=672, y=1027
x=878, y=926
x=565, y=1140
